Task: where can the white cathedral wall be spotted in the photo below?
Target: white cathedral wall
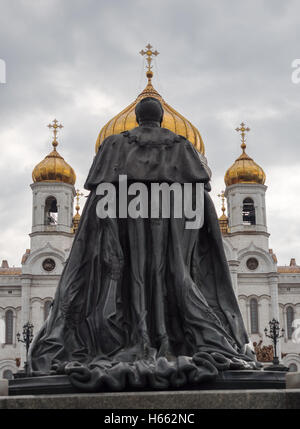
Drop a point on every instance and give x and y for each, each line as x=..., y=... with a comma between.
x=59, y=241
x=64, y=194
x=235, y=197
x=41, y=292
x=243, y=241
x=9, y=352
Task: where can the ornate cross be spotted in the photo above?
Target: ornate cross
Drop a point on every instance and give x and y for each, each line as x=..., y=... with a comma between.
x=78, y=195
x=222, y=196
x=54, y=126
x=242, y=130
x=149, y=54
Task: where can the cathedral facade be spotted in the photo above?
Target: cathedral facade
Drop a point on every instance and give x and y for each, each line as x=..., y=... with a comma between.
x=264, y=289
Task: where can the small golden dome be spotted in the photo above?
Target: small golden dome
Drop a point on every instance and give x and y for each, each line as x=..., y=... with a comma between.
x=223, y=219
x=244, y=169
x=76, y=217
x=76, y=220
x=54, y=168
x=172, y=120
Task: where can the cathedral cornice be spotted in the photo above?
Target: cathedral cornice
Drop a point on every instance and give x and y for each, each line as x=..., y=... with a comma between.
x=65, y=234
x=270, y=275
x=231, y=234
x=40, y=276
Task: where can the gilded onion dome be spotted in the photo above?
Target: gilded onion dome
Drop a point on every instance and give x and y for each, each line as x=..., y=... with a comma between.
x=172, y=120
x=54, y=168
x=244, y=169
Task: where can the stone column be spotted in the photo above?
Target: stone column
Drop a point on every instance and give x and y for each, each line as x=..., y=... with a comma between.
x=248, y=318
x=14, y=329
x=284, y=324
x=242, y=304
x=2, y=327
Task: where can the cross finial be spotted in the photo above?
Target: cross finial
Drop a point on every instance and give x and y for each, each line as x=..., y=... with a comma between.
x=149, y=52
x=54, y=126
x=222, y=196
x=242, y=130
x=78, y=195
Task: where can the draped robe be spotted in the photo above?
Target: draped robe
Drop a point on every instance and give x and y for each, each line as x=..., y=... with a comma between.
x=143, y=303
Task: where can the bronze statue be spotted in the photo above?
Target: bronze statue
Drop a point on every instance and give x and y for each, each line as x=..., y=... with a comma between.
x=144, y=302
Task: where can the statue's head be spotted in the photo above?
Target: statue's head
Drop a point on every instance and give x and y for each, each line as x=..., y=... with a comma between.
x=149, y=109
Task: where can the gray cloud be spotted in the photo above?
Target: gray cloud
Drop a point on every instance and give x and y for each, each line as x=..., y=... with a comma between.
x=220, y=63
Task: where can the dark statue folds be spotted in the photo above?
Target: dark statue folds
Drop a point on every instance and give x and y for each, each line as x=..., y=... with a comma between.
x=144, y=303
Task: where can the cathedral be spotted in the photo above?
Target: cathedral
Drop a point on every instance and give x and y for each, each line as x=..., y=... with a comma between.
x=264, y=289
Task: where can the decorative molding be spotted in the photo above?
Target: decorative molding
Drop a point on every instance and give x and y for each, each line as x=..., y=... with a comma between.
x=258, y=297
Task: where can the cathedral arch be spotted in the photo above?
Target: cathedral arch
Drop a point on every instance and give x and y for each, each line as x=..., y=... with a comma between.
x=51, y=211
x=7, y=374
x=248, y=212
x=254, y=316
x=293, y=367
x=289, y=321
x=7, y=365
x=292, y=359
x=9, y=326
x=265, y=260
x=34, y=262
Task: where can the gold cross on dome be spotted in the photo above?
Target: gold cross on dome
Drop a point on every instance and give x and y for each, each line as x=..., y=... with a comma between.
x=242, y=130
x=78, y=195
x=222, y=196
x=54, y=126
x=149, y=54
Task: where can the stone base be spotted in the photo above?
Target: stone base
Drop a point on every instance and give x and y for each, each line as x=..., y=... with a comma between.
x=293, y=380
x=278, y=399
x=3, y=387
x=56, y=384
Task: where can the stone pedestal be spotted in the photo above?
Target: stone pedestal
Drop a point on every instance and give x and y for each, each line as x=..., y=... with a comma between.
x=3, y=387
x=293, y=380
x=170, y=400
x=228, y=380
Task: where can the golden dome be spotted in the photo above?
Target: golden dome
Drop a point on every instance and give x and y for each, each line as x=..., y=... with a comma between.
x=54, y=168
x=244, y=169
x=172, y=120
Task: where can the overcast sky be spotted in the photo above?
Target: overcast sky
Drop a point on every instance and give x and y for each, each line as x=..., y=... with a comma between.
x=220, y=63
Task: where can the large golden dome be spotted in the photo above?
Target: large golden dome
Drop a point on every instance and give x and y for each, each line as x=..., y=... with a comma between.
x=244, y=169
x=54, y=168
x=172, y=120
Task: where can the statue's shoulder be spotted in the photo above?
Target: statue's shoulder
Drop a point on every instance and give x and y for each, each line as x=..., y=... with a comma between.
x=155, y=136
x=111, y=139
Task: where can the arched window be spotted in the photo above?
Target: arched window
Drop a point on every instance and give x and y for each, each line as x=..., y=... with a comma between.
x=248, y=212
x=47, y=307
x=7, y=374
x=9, y=327
x=293, y=367
x=289, y=321
x=254, y=316
x=50, y=211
